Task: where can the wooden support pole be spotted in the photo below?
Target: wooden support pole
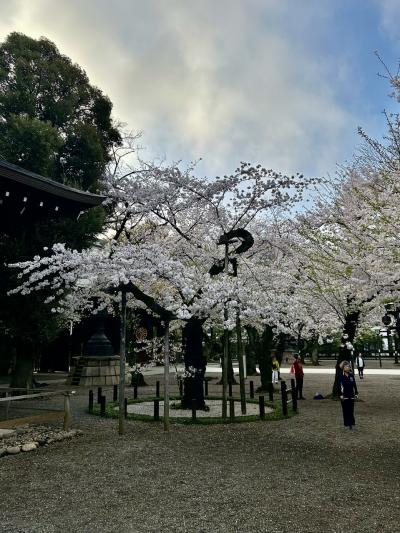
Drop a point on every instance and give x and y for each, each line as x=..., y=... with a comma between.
x=90, y=401
x=294, y=394
x=232, y=409
x=122, y=359
x=102, y=406
x=226, y=344
x=271, y=391
x=166, y=377
x=251, y=389
x=284, y=398
x=99, y=393
x=67, y=412
x=156, y=410
x=194, y=407
x=261, y=405
x=241, y=359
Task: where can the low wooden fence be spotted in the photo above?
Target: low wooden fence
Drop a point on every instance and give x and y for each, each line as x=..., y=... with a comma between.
x=9, y=394
x=288, y=397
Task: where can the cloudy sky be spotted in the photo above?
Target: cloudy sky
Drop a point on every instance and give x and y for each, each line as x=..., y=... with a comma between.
x=284, y=83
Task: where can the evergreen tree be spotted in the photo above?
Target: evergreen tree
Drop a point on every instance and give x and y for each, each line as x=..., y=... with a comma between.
x=55, y=123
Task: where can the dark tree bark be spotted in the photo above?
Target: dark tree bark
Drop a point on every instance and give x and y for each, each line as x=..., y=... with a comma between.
x=6, y=354
x=260, y=346
x=231, y=375
x=349, y=333
x=264, y=357
x=280, y=347
x=192, y=336
x=250, y=351
x=22, y=376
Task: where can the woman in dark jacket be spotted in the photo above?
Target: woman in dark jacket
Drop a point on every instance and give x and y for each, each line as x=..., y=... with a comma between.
x=347, y=390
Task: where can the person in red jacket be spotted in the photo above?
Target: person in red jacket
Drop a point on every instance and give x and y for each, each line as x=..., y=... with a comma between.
x=299, y=375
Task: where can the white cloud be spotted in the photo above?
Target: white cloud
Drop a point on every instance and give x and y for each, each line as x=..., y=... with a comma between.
x=221, y=80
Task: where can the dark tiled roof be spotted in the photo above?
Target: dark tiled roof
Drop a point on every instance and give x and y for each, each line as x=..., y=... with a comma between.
x=35, y=181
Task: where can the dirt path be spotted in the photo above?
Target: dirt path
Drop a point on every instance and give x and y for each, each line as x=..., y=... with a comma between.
x=305, y=474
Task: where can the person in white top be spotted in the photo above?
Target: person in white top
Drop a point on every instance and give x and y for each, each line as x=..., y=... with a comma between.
x=360, y=365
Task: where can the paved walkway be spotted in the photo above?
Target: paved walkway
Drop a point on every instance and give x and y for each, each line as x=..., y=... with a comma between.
x=328, y=367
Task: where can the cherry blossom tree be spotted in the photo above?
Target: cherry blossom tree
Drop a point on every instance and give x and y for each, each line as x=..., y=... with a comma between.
x=165, y=252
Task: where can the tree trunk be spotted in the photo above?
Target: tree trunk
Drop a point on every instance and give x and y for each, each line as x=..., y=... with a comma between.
x=313, y=350
x=314, y=354
x=6, y=354
x=226, y=342
x=280, y=347
x=192, y=336
x=346, y=354
x=250, y=350
x=264, y=357
x=22, y=375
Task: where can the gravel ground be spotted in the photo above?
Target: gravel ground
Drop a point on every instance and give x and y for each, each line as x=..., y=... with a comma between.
x=215, y=406
x=305, y=474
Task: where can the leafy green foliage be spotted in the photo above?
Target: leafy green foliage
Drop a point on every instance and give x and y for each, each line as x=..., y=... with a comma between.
x=52, y=121
x=30, y=143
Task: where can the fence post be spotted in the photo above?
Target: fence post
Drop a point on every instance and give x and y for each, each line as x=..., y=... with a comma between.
x=115, y=393
x=156, y=410
x=271, y=391
x=205, y=388
x=126, y=407
x=230, y=390
x=232, y=409
x=135, y=391
x=181, y=387
x=99, y=391
x=261, y=405
x=284, y=398
x=157, y=389
x=90, y=401
x=67, y=412
x=102, y=406
x=7, y=406
x=194, y=406
x=294, y=394
x=251, y=389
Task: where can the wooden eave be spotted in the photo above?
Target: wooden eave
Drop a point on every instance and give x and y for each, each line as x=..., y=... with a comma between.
x=39, y=183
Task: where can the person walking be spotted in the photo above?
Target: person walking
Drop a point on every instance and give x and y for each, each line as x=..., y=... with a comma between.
x=360, y=362
x=275, y=369
x=347, y=390
x=299, y=375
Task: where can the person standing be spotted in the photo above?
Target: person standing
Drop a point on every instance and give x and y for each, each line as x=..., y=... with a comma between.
x=299, y=375
x=360, y=362
x=347, y=390
x=275, y=369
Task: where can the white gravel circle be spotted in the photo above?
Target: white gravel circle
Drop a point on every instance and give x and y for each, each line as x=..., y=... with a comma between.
x=147, y=408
